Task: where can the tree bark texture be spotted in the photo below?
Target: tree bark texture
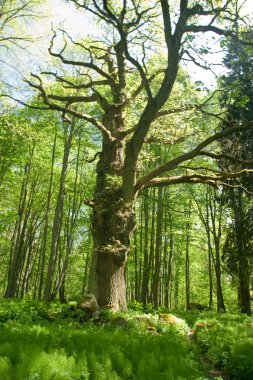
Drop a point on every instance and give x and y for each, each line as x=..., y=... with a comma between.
x=215, y=214
x=18, y=255
x=113, y=222
x=243, y=264
x=48, y=292
x=157, y=264
x=145, y=275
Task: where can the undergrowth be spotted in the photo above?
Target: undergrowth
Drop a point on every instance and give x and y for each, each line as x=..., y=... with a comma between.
x=226, y=341
x=93, y=352
x=40, y=341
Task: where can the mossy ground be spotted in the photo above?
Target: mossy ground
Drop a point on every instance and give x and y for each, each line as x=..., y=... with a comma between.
x=35, y=346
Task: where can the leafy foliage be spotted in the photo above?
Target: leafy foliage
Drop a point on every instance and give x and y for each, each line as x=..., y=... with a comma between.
x=226, y=342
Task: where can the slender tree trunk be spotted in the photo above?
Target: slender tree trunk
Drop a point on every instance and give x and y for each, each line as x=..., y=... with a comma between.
x=165, y=261
x=176, y=288
x=216, y=229
x=210, y=274
x=219, y=292
x=136, y=272
x=187, y=268
x=28, y=266
x=157, y=264
x=58, y=219
x=140, y=256
x=243, y=264
x=18, y=248
x=169, y=269
x=86, y=271
x=168, y=283
x=210, y=252
x=212, y=222
x=244, y=288
x=75, y=203
x=45, y=231
x=151, y=249
x=145, y=275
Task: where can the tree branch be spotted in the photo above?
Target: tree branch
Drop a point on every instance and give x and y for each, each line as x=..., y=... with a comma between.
x=72, y=85
x=175, y=162
x=66, y=110
x=73, y=99
x=226, y=157
x=212, y=180
x=66, y=61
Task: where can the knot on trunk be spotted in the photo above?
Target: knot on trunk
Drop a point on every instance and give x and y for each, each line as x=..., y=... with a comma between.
x=123, y=219
x=116, y=250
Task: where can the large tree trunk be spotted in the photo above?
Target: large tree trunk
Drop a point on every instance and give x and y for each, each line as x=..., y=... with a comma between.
x=113, y=222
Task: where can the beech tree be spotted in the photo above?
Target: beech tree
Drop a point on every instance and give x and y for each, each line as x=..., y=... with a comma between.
x=114, y=91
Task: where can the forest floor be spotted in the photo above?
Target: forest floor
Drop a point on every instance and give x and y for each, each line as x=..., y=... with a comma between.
x=53, y=342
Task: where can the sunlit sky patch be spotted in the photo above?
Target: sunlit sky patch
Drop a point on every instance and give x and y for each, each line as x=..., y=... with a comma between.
x=77, y=23
x=64, y=15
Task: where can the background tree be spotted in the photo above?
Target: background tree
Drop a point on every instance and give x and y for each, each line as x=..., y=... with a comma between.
x=29, y=193
x=237, y=101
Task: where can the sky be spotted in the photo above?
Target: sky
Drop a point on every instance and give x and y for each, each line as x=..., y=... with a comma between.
x=74, y=21
x=78, y=24
x=61, y=14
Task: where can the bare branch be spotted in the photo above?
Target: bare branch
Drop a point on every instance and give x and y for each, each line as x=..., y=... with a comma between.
x=67, y=110
x=213, y=180
x=97, y=11
x=72, y=85
x=73, y=99
x=136, y=64
x=216, y=30
x=142, y=86
x=77, y=63
x=190, y=107
x=175, y=162
x=226, y=157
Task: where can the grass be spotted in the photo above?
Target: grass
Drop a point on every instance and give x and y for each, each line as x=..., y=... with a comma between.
x=35, y=346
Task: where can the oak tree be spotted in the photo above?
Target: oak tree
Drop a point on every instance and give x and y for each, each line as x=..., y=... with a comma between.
x=113, y=91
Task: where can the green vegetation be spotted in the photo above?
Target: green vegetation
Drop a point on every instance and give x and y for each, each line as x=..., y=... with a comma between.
x=131, y=345
x=121, y=348
x=227, y=343
x=126, y=188
x=52, y=353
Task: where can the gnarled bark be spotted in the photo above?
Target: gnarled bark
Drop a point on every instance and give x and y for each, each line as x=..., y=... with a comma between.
x=113, y=222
